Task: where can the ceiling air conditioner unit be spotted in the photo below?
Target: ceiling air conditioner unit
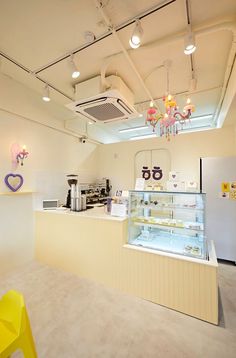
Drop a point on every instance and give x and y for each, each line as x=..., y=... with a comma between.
x=112, y=105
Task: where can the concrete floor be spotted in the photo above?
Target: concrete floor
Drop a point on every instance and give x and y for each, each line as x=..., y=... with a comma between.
x=73, y=317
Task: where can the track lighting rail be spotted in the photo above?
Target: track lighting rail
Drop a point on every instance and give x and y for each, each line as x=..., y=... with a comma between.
x=109, y=33
x=100, y=38
x=83, y=47
x=34, y=75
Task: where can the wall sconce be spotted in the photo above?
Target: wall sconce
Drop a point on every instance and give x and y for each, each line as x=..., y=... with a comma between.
x=21, y=155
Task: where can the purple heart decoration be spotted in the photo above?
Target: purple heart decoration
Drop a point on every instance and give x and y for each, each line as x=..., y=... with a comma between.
x=173, y=175
x=18, y=185
x=175, y=185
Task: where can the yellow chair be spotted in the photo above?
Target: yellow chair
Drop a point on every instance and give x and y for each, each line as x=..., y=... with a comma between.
x=15, y=331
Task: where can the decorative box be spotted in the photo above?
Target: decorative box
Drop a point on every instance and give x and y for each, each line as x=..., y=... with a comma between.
x=175, y=186
x=174, y=176
x=191, y=186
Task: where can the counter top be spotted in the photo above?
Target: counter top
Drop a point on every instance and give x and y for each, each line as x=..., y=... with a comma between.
x=95, y=213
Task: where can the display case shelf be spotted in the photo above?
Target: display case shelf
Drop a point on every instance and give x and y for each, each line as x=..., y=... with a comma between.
x=186, y=246
x=163, y=226
x=175, y=224
x=169, y=207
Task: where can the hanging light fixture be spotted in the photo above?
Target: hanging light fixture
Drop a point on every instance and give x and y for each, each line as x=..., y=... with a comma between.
x=135, y=40
x=169, y=124
x=170, y=120
x=46, y=95
x=188, y=109
x=75, y=72
x=21, y=155
x=189, y=42
x=153, y=116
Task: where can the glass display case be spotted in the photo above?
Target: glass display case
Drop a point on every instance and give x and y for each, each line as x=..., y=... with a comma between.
x=168, y=221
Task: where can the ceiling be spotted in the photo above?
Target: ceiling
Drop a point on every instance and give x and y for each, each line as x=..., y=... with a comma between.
x=35, y=34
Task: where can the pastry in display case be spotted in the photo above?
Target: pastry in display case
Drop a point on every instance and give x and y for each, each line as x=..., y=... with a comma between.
x=168, y=221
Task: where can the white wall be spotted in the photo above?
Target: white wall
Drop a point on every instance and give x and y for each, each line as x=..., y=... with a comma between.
x=117, y=160
x=52, y=156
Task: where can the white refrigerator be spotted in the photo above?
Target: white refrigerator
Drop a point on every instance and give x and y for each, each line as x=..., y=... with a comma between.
x=220, y=211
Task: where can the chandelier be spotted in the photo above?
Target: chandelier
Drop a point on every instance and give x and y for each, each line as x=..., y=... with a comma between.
x=172, y=121
x=153, y=116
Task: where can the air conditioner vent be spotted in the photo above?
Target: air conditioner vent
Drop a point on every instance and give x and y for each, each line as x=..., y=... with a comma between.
x=104, y=107
x=104, y=112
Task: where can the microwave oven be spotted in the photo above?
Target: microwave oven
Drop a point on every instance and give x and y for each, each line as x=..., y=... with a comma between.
x=50, y=204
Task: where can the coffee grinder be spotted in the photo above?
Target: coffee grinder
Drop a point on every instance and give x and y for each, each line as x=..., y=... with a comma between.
x=73, y=200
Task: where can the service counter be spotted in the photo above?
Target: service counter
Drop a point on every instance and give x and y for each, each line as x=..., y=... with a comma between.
x=94, y=245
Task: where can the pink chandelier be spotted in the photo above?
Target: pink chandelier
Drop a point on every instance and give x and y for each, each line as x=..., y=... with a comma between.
x=172, y=121
x=169, y=124
x=153, y=117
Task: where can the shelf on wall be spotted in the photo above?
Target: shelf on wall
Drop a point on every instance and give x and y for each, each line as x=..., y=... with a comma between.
x=7, y=193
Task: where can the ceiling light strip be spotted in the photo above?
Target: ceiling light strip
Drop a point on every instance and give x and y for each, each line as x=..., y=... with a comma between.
x=186, y=130
x=131, y=129
x=204, y=116
x=195, y=129
x=109, y=33
x=143, y=136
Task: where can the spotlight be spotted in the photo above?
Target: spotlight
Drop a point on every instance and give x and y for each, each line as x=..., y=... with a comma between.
x=89, y=36
x=193, y=85
x=46, y=96
x=189, y=42
x=135, y=40
x=75, y=72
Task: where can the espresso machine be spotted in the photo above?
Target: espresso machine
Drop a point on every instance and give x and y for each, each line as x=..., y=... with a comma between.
x=97, y=192
x=75, y=201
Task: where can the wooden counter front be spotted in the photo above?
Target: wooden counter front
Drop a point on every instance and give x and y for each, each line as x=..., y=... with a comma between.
x=95, y=247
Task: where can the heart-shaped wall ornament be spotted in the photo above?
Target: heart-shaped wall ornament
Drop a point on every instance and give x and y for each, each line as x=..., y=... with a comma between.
x=14, y=181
